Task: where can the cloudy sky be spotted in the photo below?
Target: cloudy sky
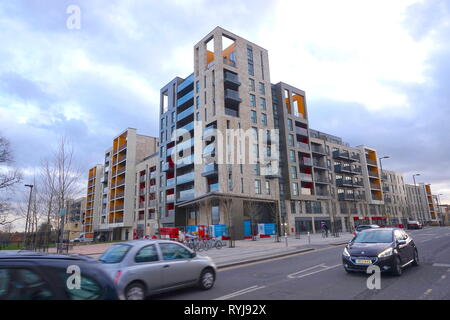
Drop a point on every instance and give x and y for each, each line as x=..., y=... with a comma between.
x=375, y=72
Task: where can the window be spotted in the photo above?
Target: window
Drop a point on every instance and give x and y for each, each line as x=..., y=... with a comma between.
x=251, y=84
x=290, y=125
x=252, y=100
x=294, y=172
x=257, y=169
x=293, y=208
x=262, y=103
x=267, y=183
x=147, y=254
x=89, y=289
x=292, y=155
x=172, y=251
x=23, y=284
x=258, y=186
x=290, y=140
x=253, y=116
x=264, y=119
x=295, y=189
x=197, y=102
x=215, y=215
x=251, y=70
x=115, y=253
x=262, y=88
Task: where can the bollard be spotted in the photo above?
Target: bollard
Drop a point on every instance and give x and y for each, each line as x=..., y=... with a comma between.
x=309, y=238
x=285, y=236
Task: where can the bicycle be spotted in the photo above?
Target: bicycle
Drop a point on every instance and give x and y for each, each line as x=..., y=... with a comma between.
x=324, y=233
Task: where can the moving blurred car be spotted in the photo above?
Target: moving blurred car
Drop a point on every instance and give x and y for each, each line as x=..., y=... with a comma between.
x=414, y=225
x=391, y=249
x=363, y=227
x=144, y=267
x=27, y=275
x=81, y=238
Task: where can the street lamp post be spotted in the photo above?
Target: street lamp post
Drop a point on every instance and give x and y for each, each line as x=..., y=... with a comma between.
x=25, y=238
x=415, y=190
x=382, y=184
x=439, y=208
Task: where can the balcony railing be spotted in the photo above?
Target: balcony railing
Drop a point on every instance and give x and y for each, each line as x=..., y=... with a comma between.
x=232, y=95
x=214, y=187
x=305, y=177
x=170, y=182
x=189, y=111
x=188, y=96
x=319, y=164
x=188, y=177
x=306, y=191
x=318, y=149
x=303, y=146
x=152, y=203
x=122, y=147
x=375, y=186
x=231, y=78
x=229, y=62
x=306, y=162
x=142, y=179
x=373, y=174
x=372, y=162
x=319, y=179
x=301, y=131
x=170, y=198
x=185, y=195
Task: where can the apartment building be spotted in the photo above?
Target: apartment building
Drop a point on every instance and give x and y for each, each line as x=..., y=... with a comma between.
x=115, y=217
x=75, y=212
x=93, y=200
x=234, y=148
x=206, y=163
x=146, y=203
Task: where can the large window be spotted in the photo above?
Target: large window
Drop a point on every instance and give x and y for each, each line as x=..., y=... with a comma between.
x=252, y=100
x=251, y=84
x=258, y=186
x=262, y=103
x=147, y=254
x=253, y=116
x=262, y=88
x=295, y=189
x=264, y=119
x=115, y=253
x=172, y=251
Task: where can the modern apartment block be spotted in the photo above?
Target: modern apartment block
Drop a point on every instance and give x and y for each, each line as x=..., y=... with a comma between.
x=146, y=204
x=234, y=148
x=93, y=200
x=115, y=218
x=203, y=118
x=75, y=212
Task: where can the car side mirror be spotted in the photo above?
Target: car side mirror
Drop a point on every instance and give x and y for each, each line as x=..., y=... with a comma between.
x=401, y=242
x=193, y=255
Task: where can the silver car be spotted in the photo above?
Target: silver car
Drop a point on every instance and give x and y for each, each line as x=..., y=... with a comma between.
x=144, y=267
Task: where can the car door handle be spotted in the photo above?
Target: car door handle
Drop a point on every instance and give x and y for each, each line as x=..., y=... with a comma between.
x=166, y=266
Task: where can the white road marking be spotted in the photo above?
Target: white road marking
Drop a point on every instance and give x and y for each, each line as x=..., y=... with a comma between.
x=445, y=265
x=308, y=272
x=240, y=292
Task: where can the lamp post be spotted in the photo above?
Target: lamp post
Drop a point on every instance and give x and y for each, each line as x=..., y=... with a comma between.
x=25, y=238
x=382, y=185
x=439, y=208
x=415, y=190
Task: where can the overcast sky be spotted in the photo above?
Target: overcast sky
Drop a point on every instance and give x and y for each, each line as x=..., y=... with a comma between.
x=375, y=72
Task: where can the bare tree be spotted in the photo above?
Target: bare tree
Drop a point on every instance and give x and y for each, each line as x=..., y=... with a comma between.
x=227, y=205
x=8, y=178
x=253, y=210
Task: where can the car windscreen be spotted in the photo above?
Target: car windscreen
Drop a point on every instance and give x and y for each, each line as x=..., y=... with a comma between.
x=115, y=253
x=378, y=236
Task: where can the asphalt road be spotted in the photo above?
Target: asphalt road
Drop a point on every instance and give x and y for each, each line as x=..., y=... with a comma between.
x=319, y=275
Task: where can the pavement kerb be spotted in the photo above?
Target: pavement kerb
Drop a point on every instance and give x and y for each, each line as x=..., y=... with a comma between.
x=262, y=258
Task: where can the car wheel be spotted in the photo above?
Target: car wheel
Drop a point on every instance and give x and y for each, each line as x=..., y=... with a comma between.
x=135, y=291
x=416, y=258
x=207, y=279
x=397, y=270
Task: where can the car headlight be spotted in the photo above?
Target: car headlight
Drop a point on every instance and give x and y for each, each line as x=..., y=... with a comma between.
x=386, y=253
x=346, y=253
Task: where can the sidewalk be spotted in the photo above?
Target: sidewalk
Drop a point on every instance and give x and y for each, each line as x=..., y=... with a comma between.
x=246, y=251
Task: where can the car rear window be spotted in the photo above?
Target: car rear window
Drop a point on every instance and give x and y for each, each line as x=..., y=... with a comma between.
x=115, y=253
x=375, y=236
x=89, y=289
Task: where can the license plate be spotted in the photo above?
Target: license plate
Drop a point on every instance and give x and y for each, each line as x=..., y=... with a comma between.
x=363, y=261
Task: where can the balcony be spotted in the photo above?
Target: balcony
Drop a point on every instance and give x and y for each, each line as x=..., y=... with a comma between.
x=187, y=82
x=344, y=183
x=318, y=149
x=121, y=159
x=323, y=180
x=301, y=131
x=152, y=189
x=142, y=179
x=185, y=178
x=232, y=97
x=303, y=146
x=122, y=147
x=152, y=203
x=141, y=192
x=229, y=62
x=386, y=188
x=306, y=177
x=152, y=175
x=209, y=150
x=322, y=193
x=170, y=182
x=373, y=174
x=141, y=205
x=355, y=157
x=118, y=207
x=167, y=166
x=231, y=80
x=210, y=169
x=306, y=191
x=319, y=164
x=347, y=197
x=120, y=171
x=371, y=162
x=186, y=195
x=231, y=112
x=170, y=198
x=186, y=98
x=185, y=161
x=120, y=183
x=214, y=187
x=375, y=186
x=306, y=162
x=188, y=127
x=182, y=115
x=119, y=195
x=338, y=154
